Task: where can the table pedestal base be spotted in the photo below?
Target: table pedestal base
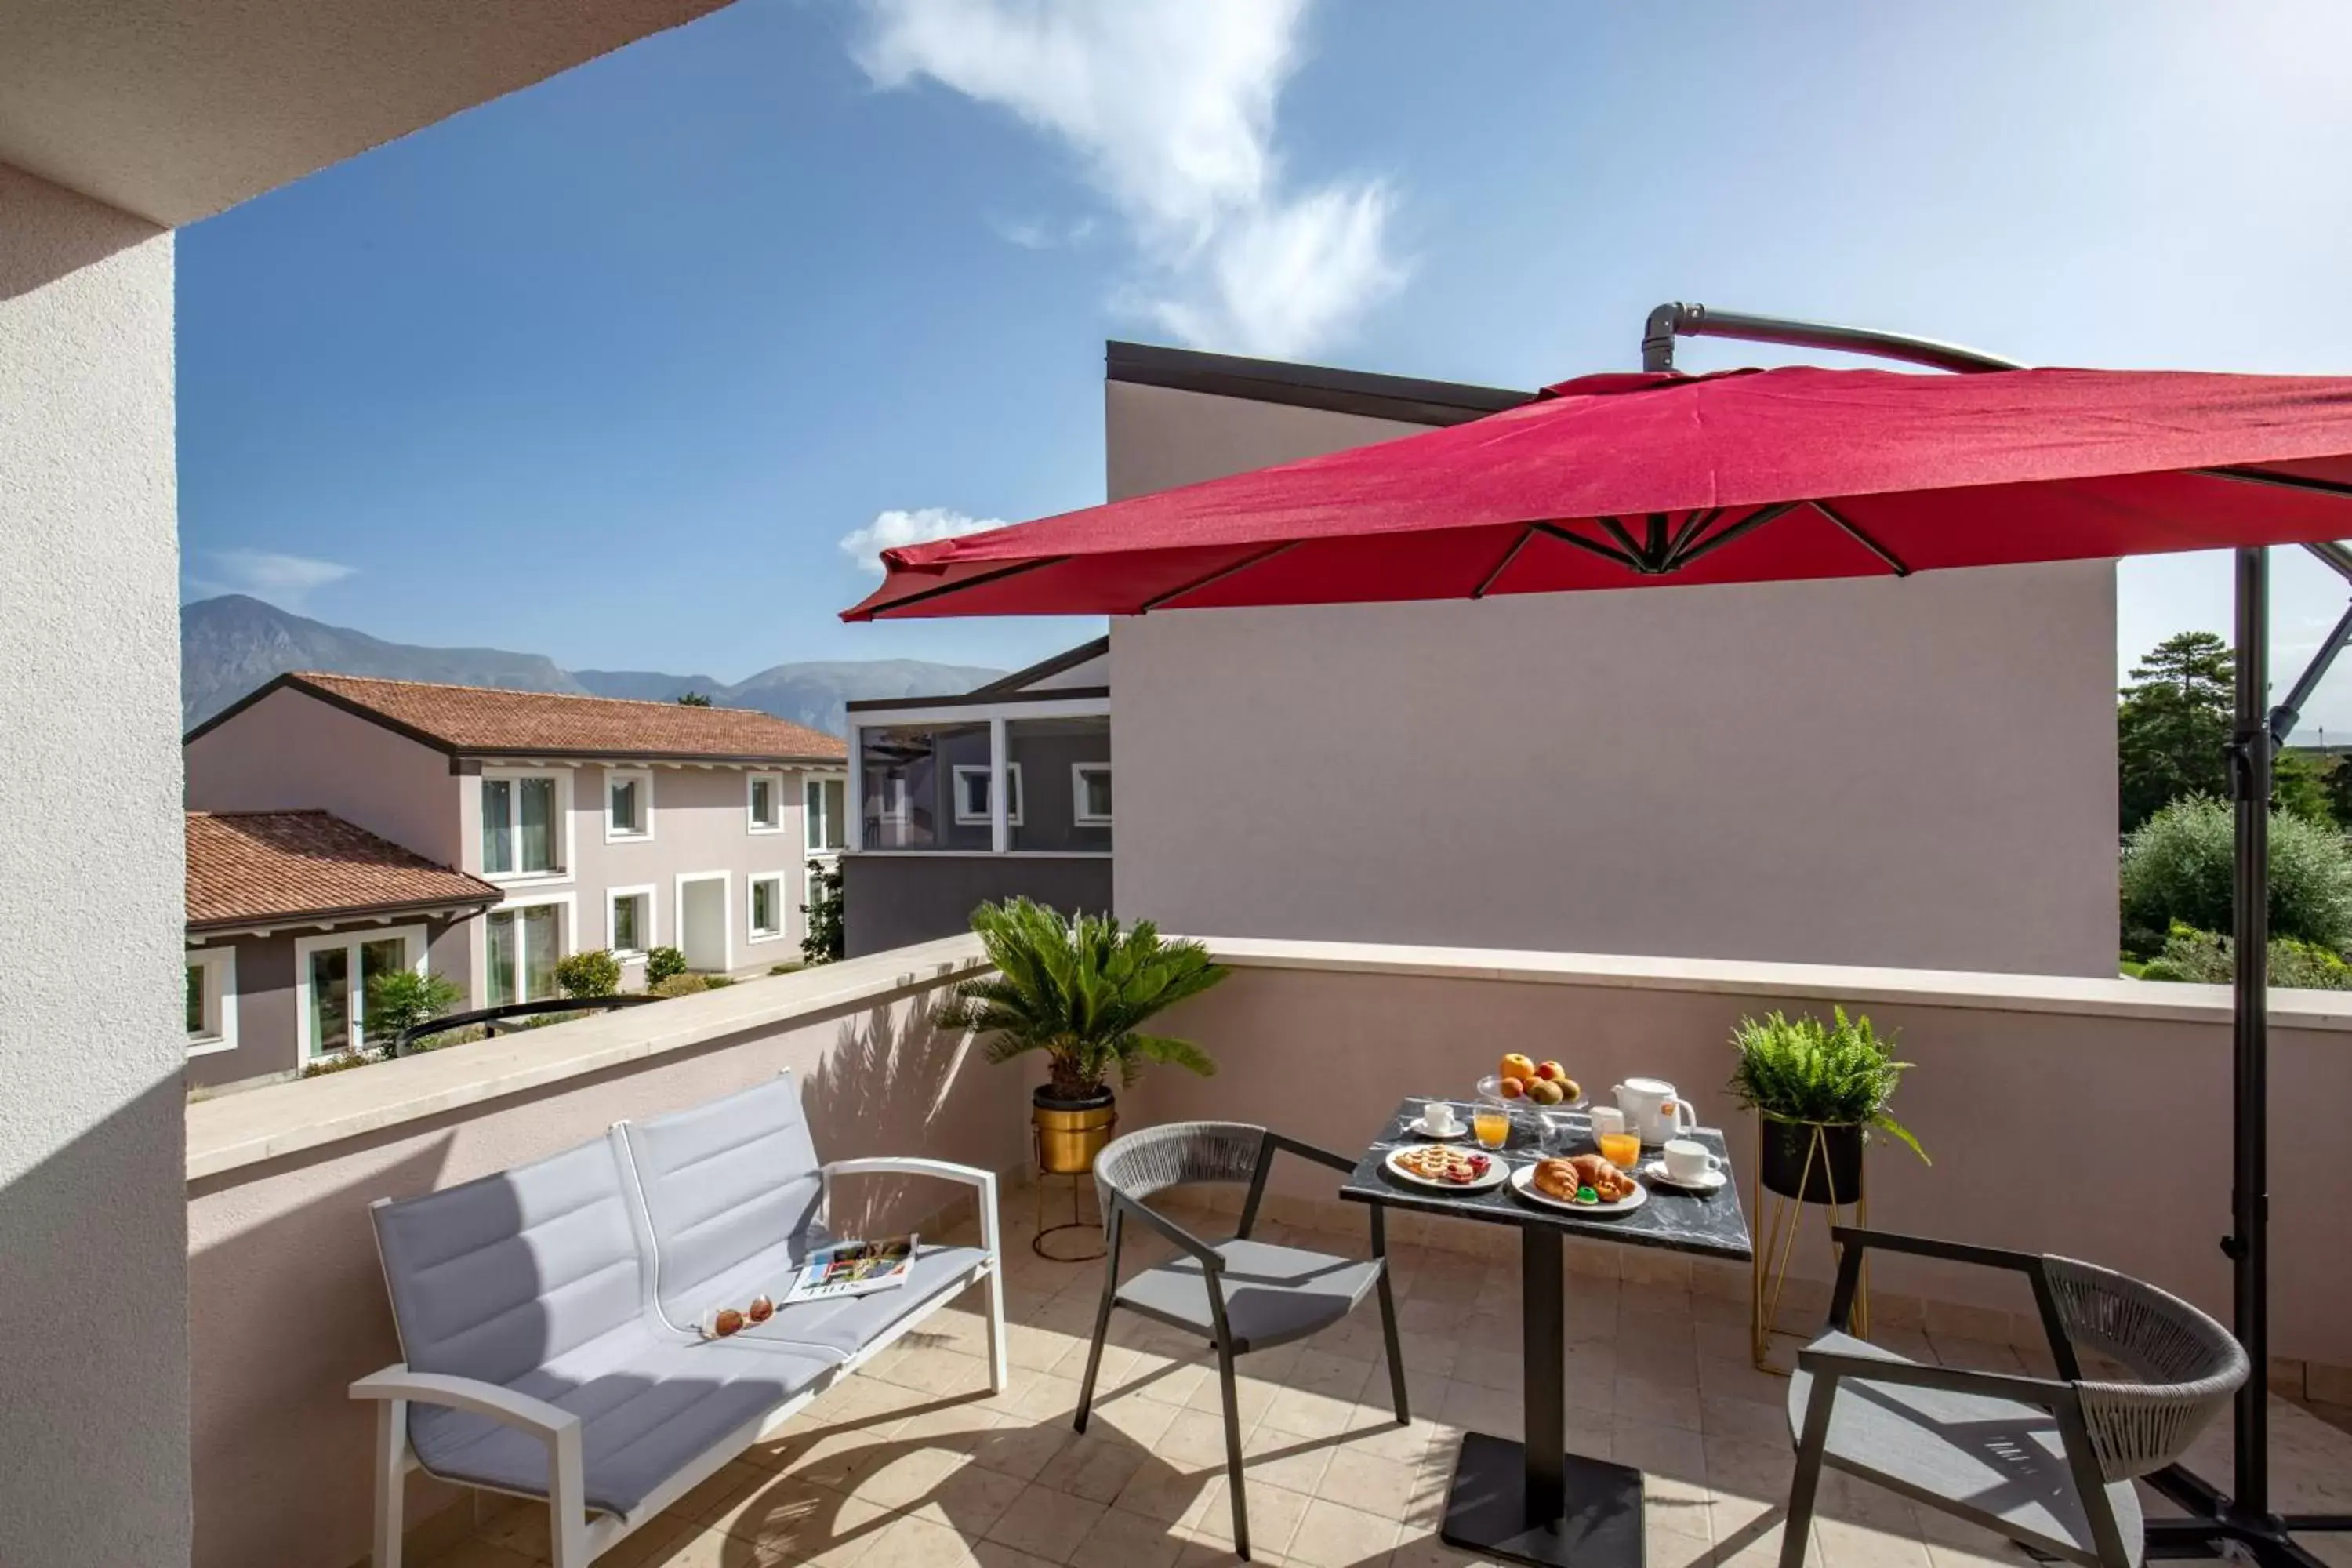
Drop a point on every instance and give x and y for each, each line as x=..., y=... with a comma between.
x=1486, y=1511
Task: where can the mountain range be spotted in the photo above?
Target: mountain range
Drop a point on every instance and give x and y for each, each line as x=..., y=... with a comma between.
x=231, y=644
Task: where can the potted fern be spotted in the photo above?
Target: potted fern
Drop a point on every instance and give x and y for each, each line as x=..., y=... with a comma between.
x=1080, y=991
x=1819, y=1089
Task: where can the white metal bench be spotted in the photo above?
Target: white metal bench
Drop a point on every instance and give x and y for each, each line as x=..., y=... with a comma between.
x=547, y=1315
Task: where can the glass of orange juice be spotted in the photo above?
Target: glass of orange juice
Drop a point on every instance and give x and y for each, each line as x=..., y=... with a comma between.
x=1492, y=1126
x=1623, y=1150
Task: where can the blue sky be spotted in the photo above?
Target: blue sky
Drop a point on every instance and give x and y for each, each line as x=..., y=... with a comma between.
x=610, y=369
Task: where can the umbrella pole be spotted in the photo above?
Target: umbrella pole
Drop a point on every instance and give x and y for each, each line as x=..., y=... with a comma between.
x=2248, y=1245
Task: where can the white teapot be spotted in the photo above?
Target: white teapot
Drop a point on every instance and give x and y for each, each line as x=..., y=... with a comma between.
x=1654, y=1111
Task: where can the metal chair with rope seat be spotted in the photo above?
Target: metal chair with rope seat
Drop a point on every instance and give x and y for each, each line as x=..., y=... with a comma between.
x=2047, y=1462
x=1241, y=1295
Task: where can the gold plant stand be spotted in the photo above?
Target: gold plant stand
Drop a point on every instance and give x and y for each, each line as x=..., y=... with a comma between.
x=1778, y=1221
x=1077, y=1220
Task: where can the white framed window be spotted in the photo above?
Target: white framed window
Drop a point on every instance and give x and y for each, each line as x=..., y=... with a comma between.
x=629, y=804
x=763, y=802
x=526, y=824
x=332, y=976
x=824, y=811
x=629, y=922
x=212, y=1000
x=1090, y=795
x=971, y=795
x=766, y=895
x=523, y=940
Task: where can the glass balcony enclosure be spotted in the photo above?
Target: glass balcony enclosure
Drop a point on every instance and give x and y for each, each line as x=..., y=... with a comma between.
x=932, y=784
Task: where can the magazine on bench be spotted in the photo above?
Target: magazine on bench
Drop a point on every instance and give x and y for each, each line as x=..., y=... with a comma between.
x=854, y=1269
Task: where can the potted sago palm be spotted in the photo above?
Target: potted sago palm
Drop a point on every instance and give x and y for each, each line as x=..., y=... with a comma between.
x=1080, y=991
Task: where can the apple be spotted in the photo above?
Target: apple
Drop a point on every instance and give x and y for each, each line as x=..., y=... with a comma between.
x=1518, y=1067
x=1551, y=1071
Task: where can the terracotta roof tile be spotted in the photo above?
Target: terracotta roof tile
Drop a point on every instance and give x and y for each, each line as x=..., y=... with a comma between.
x=492, y=719
x=259, y=866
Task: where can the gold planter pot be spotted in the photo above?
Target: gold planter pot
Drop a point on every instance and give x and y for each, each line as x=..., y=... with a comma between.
x=1068, y=1141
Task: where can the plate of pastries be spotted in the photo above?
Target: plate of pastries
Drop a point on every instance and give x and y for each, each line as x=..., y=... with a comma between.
x=1446, y=1165
x=1585, y=1184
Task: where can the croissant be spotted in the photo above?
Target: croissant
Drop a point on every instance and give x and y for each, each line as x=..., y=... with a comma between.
x=1608, y=1183
x=1558, y=1179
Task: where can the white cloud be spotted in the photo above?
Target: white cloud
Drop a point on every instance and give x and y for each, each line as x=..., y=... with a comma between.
x=285, y=580
x=1169, y=107
x=918, y=526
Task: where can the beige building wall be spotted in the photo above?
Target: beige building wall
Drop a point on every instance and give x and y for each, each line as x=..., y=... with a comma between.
x=1918, y=773
x=92, y=1222
x=289, y=751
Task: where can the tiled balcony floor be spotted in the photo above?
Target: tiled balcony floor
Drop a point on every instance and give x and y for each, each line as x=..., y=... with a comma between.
x=912, y=1464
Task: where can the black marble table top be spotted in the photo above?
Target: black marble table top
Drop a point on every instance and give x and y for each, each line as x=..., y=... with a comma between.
x=1711, y=1223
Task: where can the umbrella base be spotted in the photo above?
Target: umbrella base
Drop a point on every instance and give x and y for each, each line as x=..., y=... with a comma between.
x=2216, y=1527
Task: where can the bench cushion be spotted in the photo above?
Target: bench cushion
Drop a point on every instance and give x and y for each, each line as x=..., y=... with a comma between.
x=499, y=1276
x=652, y=1410
x=731, y=1191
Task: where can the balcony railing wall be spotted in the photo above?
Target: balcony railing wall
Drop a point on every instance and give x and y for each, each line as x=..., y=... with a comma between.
x=2076, y=1116
x=2084, y=1116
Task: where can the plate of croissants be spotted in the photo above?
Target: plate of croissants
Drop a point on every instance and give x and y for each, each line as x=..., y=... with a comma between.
x=1586, y=1184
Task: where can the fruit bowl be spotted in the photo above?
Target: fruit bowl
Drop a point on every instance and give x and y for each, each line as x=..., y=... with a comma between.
x=1490, y=1090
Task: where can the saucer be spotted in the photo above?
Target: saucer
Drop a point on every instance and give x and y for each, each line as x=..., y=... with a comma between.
x=1419, y=1127
x=1714, y=1181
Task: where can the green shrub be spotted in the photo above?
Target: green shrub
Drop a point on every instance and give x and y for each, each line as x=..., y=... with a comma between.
x=661, y=963
x=1839, y=1074
x=596, y=973
x=2176, y=870
x=716, y=982
x=401, y=999
x=789, y=966
x=2200, y=957
x=678, y=985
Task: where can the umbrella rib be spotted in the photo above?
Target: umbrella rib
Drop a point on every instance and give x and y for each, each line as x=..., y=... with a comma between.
x=1893, y=562
x=1491, y=578
x=1218, y=575
x=979, y=580
x=1692, y=526
x=1555, y=531
x=1617, y=531
x=2284, y=482
x=1753, y=520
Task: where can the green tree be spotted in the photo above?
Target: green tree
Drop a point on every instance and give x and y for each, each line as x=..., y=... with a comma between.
x=827, y=936
x=694, y=700
x=2299, y=787
x=2171, y=725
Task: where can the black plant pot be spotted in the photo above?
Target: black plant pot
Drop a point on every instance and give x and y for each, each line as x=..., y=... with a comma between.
x=1836, y=1163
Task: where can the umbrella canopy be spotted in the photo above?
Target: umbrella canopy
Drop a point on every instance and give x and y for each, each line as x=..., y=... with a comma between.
x=1627, y=480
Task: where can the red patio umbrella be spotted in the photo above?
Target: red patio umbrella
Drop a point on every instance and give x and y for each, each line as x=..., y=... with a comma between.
x=1755, y=475
x=1637, y=480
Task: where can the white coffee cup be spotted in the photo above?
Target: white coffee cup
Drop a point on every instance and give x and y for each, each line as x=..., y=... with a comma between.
x=1654, y=1111
x=1438, y=1117
x=1607, y=1120
x=1689, y=1162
